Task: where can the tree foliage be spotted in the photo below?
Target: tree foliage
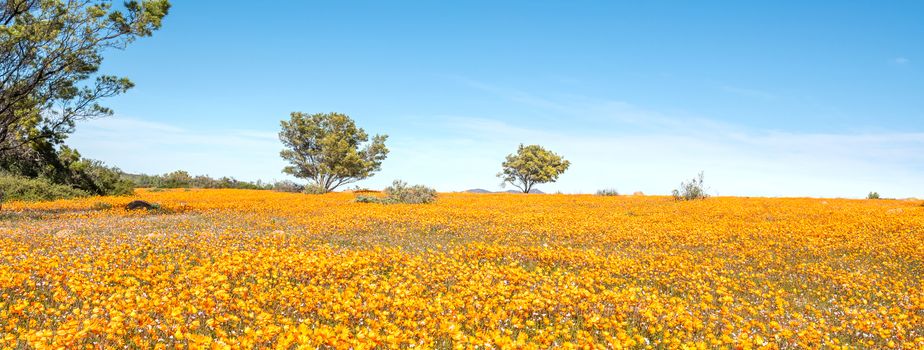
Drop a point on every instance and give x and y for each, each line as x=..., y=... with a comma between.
x=49, y=49
x=182, y=179
x=329, y=149
x=65, y=166
x=532, y=165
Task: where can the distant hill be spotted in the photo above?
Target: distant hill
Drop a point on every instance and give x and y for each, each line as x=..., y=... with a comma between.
x=481, y=190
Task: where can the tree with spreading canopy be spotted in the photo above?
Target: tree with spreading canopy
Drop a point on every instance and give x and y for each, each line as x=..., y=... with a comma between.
x=532, y=165
x=50, y=54
x=49, y=51
x=329, y=149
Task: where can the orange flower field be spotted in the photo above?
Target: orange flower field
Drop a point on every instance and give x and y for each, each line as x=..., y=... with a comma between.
x=244, y=269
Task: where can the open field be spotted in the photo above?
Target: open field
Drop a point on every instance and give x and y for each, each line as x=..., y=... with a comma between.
x=215, y=268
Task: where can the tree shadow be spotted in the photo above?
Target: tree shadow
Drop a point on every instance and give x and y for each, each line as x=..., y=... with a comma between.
x=45, y=214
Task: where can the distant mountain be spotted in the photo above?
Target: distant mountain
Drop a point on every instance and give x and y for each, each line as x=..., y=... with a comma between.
x=481, y=190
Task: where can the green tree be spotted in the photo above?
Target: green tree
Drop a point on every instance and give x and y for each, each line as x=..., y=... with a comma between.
x=50, y=50
x=532, y=165
x=329, y=149
x=177, y=179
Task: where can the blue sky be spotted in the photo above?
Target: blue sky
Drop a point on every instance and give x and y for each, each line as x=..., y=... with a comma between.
x=768, y=98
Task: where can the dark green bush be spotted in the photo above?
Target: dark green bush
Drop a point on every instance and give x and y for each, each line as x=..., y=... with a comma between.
x=176, y=179
x=104, y=180
x=17, y=188
x=65, y=166
x=182, y=179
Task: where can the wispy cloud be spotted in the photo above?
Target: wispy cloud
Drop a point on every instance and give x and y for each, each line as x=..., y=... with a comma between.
x=737, y=162
x=514, y=95
x=611, y=143
x=589, y=111
x=137, y=145
x=901, y=60
x=650, y=150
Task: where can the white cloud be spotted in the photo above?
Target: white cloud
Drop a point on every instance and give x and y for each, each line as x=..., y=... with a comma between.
x=901, y=60
x=736, y=162
x=143, y=146
x=610, y=144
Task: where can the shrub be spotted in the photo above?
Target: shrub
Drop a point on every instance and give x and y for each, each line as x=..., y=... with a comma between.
x=373, y=199
x=873, y=195
x=176, y=179
x=24, y=189
x=400, y=192
x=182, y=179
x=691, y=190
x=287, y=186
x=608, y=192
x=314, y=189
x=65, y=166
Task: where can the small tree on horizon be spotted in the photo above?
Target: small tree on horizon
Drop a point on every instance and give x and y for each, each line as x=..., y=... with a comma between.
x=329, y=149
x=695, y=189
x=532, y=165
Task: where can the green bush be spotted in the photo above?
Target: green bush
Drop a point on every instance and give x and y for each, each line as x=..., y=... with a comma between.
x=288, y=186
x=182, y=179
x=65, y=166
x=873, y=195
x=104, y=180
x=400, y=192
x=373, y=199
x=608, y=192
x=314, y=189
x=691, y=190
x=17, y=188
